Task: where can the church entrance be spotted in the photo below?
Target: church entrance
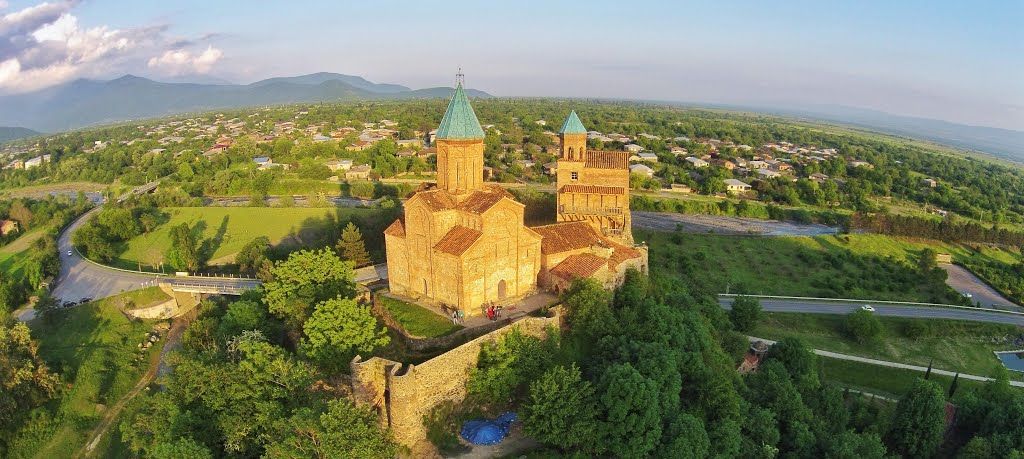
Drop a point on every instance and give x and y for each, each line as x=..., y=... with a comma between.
x=502, y=290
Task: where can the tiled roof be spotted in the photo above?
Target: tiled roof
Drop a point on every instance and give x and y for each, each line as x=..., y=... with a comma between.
x=607, y=159
x=458, y=240
x=396, y=229
x=566, y=236
x=593, y=189
x=621, y=253
x=484, y=199
x=459, y=122
x=578, y=266
x=436, y=199
x=572, y=125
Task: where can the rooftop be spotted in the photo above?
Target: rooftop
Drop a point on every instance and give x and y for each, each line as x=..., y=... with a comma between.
x=459, y=122
x=572, y=125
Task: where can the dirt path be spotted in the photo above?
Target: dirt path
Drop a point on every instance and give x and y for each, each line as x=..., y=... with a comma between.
x=156, y=364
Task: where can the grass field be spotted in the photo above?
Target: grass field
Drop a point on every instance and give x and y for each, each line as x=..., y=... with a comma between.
x=853, y=266
x=417, y=320
x=884, y=381
x=225, y=230
x=95, y=349
x=953, y=345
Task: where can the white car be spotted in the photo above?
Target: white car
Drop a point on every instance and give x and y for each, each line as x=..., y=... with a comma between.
x=69, y=253
x=868, y=308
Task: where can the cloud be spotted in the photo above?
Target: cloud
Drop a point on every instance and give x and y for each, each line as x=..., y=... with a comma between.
x=181, y=61
x=44, y=44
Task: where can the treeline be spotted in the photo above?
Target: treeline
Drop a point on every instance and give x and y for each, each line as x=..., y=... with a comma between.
x=739, y=208
x=947, y=229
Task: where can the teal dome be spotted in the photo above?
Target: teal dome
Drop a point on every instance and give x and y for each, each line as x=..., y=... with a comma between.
x=459, y=122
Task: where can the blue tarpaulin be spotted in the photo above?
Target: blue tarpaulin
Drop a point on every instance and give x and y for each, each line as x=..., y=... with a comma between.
x=486, y=432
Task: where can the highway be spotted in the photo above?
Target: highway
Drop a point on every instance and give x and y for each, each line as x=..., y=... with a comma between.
x=812, y=306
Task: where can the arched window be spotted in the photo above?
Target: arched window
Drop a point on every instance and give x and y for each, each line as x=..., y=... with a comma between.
x=570, y=153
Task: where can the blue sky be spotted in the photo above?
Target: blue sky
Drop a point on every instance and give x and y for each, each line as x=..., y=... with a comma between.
x=957, y=61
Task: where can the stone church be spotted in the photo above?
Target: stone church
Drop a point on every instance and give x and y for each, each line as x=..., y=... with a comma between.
x=463, y=243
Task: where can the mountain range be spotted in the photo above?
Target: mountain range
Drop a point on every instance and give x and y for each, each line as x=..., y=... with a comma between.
x=84, y=102
x=14, y=133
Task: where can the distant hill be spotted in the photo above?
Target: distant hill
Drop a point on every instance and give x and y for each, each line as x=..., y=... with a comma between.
x=1004, y=143
x=85, y=102
x=15, y=133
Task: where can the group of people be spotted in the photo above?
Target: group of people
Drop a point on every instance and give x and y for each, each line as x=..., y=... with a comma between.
x=455, y=314
x=493, y=312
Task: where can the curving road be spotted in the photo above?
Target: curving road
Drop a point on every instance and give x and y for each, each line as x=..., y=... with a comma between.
x=812, y=306
x=80, y=278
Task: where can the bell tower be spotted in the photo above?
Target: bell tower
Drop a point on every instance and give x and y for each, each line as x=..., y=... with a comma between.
x=574, y=138
x=460, y=147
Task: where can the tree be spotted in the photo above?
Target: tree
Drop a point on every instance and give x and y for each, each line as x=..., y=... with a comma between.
x=863, y=326
x=306, y=278
x=253, y=255
x=91, y=239
x=184, y=251
x=181, y=448
x=918, y=422
x=26, y=381
x=798, y=359
x=352, y=247
x=685, y=436
x=241, y=316
x=338, y=330
x=927, y=260
x=560, y=409
x=119, y=222
x=588, y=309
x=343, y=430
x=629, y=414
x=745, y=313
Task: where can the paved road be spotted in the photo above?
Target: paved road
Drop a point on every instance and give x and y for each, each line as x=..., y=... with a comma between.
x=720, y=224
x=886, y=363
x=80, y=278
x=919, y=312
x=965, y=281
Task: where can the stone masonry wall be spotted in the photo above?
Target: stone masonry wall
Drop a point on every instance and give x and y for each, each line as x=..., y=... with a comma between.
x=403, y=393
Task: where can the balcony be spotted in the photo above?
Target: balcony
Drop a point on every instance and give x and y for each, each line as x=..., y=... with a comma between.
x=604, y=211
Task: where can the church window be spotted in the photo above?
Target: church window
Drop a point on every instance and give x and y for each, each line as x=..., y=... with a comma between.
x=574, y=175
x=570, y=152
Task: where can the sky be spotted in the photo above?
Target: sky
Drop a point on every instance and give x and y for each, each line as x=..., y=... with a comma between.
x=951, y=60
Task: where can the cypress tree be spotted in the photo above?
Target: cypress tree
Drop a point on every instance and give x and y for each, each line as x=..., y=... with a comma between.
x=352, y=247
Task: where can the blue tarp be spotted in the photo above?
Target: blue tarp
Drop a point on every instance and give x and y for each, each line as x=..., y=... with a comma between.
x=486, y=432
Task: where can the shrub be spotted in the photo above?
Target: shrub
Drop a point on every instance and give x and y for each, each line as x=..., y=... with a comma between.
x=745, y=313
x=863, y=326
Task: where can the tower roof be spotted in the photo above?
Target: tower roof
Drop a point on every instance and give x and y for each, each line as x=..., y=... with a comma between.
x=572, y=125
x=459, y=122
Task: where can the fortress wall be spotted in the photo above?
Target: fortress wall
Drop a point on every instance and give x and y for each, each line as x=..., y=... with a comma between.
x=410, y=392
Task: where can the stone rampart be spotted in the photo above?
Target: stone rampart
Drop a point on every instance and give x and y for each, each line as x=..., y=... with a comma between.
x=402, y=394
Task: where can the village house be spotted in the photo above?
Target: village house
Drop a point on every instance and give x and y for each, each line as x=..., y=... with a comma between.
x=678, y=151
x=929, y=182
x=633, y=148
x=767, y=174
x=859, y=163
x=757, y=164
x=641, y=169
x=339, y=164
x=409, y=143
x=680, y=188
x=360, y=172
x=733, y=186
x=696, y=162
x=818, y=177
x=645, y=156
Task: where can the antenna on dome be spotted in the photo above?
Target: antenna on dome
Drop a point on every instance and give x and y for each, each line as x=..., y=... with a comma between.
x=460, y=78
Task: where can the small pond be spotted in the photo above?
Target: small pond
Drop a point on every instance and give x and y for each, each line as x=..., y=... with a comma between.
x=1012, y=360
